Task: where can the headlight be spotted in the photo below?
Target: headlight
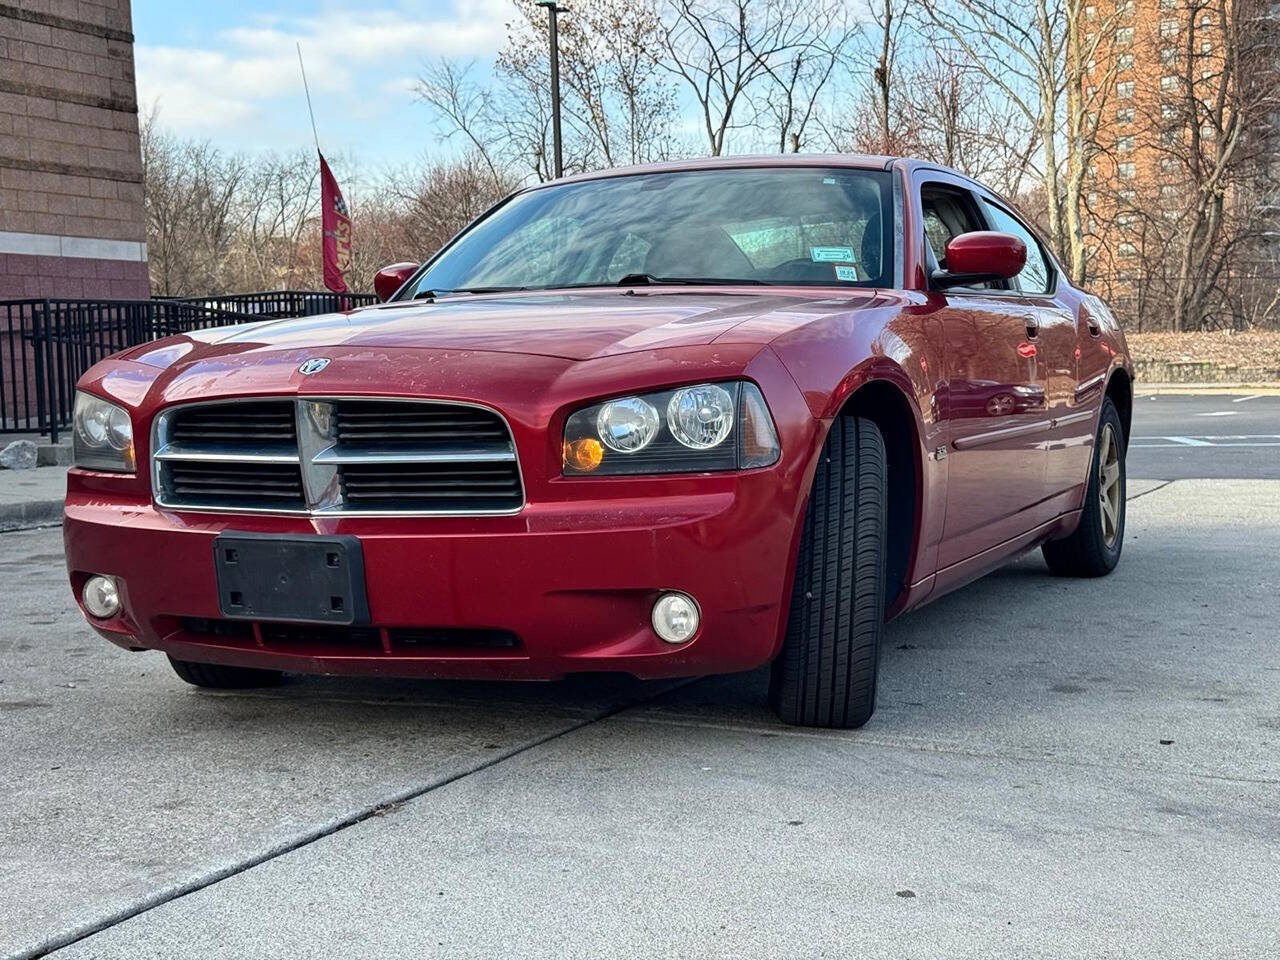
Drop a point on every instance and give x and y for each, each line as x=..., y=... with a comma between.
x=707, y=426
x=102, y=436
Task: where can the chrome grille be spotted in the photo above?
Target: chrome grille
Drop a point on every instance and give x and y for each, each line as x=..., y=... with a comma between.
x=339, y=455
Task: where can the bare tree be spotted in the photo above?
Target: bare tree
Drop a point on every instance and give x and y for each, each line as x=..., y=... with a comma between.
x=723, y=50
x=1230, y=103
x=1037, y=54
x=464, y=108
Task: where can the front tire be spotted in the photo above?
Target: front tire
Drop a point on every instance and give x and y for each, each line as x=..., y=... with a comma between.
x=1094, y=549
x=219, y=677
x=825, y=675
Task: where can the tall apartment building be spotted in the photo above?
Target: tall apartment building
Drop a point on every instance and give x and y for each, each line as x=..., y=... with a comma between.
x=1160, y=94
x=71, y=213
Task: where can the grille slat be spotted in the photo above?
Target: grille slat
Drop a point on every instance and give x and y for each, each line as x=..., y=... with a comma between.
x=249, y=485
x=239, y=424
x=387, y=456
x=395, y=425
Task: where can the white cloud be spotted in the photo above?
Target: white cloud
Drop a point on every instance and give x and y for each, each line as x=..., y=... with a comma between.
x=218, y=90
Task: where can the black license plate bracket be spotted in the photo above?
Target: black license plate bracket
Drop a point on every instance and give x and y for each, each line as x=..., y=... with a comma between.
x=318, y=579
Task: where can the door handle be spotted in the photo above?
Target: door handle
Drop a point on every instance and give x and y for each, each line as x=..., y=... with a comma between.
x=1033, y=327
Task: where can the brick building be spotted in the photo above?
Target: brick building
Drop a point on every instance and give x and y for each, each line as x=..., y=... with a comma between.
x=1162, y=93
x=71, y=213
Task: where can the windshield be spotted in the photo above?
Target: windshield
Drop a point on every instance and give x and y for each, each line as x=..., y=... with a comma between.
x=782, y=226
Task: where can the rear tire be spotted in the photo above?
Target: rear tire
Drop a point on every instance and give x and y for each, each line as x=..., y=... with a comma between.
x=1094, y=549
x=217, y=676
x=825, y=675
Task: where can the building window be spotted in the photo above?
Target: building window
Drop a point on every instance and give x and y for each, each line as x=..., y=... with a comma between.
x=1169, y=28
x=1124, y=61
x=1168, y=111
x=1170, y=138
x=1124, y=36
x=1125, y=115
x=1206, y=21
x=1206, y=75
x=1168, y=83
x=1168, y=165
x=1207, y=132
x=1168, y=4
x=1092, y=65
x=1127, y=170
x=1125, y=90
x=1128, y=250
x=1169, y=213
x=1168, y=55
x=1124, y=145
x=1089, y=38
x=1091, y=199
x=1128, y=194
x=1206, y=47
x=1091, y=12
x=1126, y=219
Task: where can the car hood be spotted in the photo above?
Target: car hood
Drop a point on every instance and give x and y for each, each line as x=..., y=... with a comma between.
x=574, y=326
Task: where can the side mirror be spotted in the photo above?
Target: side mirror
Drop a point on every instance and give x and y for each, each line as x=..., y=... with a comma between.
x=981, y=256
x=390, y=279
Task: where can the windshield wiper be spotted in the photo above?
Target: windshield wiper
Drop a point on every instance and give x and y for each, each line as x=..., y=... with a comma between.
x=644, y=279
x=432, y=294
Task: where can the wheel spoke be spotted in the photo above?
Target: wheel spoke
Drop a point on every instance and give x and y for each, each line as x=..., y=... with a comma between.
x=1109, y=484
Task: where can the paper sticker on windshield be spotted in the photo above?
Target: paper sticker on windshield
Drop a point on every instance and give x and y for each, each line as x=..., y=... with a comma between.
x=832, y=254
x=847, y=273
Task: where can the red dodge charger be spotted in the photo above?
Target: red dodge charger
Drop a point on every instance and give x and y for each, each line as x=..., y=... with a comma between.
x=668, y=420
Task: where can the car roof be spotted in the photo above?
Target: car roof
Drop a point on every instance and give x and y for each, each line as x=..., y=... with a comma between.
x=863, y=161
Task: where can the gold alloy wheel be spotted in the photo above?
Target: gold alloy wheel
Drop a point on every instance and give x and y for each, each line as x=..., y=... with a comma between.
x=1109, y=485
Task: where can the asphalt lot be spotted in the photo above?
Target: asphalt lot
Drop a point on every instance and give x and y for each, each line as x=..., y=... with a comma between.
x=1056, y=769
x=1218, y=436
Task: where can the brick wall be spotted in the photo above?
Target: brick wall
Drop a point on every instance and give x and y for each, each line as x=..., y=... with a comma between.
x=71, y=214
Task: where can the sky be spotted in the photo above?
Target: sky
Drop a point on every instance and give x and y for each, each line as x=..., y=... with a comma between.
x=228, y=71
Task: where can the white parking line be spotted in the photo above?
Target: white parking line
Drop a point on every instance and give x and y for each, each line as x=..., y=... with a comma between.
x=1217, y=440
x=1252, y=396
x=1219, y=413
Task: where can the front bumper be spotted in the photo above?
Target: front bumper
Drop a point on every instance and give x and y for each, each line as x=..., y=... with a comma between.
x=574, y=581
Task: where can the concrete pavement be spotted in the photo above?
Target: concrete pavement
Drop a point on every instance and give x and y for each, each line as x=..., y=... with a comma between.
x=1057, y=769
x=31, y=498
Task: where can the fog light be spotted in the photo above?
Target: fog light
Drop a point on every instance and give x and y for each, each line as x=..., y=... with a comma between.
x=101, y=597
x=675, y=617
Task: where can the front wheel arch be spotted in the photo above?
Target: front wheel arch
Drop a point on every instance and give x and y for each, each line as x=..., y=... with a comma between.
x=884, y=404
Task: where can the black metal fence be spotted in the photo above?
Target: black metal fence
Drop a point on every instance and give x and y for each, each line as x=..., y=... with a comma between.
x=45, y=345
x=281, y=303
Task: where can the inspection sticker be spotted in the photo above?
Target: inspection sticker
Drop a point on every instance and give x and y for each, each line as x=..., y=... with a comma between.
x=846, y=273
x=832, y=254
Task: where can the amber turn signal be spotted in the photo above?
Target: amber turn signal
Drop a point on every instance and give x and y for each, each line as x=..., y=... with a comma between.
x=584, y=454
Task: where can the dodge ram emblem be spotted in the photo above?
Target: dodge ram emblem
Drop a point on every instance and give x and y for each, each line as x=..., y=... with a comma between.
x=314, y=365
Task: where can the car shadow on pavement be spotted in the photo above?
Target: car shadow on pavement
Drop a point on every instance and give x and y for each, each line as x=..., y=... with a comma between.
x=983, y=621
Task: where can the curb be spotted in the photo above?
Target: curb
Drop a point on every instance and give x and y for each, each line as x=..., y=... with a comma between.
x=29, y=515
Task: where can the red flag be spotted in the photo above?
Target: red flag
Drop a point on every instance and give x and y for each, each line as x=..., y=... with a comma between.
x=337, y=231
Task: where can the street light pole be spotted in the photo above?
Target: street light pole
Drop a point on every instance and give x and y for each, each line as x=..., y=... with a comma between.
x=553, y=10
